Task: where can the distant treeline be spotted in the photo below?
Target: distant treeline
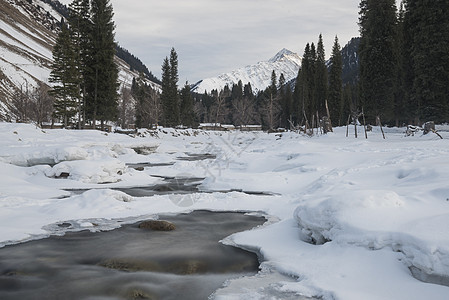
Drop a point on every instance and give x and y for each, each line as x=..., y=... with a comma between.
x=135, y=63
x=59, y=7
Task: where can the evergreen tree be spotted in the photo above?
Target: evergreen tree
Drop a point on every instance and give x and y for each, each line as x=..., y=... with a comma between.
x=427, y=37
x=165, y=96
x=321, y=78
x=378, y=57
x=237, y=90
x=248, y=91
x=64, y=75
x=312, y=83
x=80, y=28
x=103, y=75
x=285, y=99
x=304, y=94
x=187, y=114
x=169, y=96
x=273, y=86
x=335, y=98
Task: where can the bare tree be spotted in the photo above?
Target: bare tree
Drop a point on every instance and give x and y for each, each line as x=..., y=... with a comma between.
x=271, y=112
x=244, y=111
x=21, y=104
x=154, y=108
x=219, y=110
x=126, y=108
x=42, y=104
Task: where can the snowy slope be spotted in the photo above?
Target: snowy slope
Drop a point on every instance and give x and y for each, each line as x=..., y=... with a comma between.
x=27, y=35
x=25, y=45
x=259, y=75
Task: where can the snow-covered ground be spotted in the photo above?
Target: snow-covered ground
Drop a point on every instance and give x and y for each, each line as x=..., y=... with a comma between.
x=348, y=218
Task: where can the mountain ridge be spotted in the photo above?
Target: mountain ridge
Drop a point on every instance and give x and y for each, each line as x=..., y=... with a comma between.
x=258, y=75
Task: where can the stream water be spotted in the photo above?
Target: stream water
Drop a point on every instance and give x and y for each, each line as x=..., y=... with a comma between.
x=130, y=262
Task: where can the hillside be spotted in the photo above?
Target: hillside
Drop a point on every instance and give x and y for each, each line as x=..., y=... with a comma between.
x=28, y=31
x=259, y=75
x=26, y=40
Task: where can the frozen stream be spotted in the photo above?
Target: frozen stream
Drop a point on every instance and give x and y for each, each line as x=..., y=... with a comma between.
x=130, y=262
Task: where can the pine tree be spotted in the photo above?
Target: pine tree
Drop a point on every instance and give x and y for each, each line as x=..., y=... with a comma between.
x=304, y=94
x=165, y=96
x=170, y=97
x=237, y=90
x=187, y=114
x=427, y=27
x=64, y=75
x=273, y=86
x=335, y=98
x=174, y=78
x=103, y=76
x=80, y=29
x=313, y=105
x=378, y=58
x=321, y=78
x=285, y=97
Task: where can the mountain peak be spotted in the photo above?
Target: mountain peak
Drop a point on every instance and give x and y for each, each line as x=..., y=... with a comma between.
x=286, y=54
x=259, y=75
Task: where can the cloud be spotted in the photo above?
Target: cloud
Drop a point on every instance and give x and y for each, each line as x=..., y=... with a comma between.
x=216, y=36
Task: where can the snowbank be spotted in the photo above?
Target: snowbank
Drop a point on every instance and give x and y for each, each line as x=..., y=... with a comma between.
x=348, y=218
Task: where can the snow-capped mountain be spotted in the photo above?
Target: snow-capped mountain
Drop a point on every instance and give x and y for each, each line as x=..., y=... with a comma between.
x=259, y=75
x=28, y=31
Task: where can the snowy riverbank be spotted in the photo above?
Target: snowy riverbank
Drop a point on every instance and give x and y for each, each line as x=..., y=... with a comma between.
x=349, y=218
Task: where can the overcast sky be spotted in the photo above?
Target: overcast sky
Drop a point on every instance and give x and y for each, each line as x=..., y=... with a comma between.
x=216, y=36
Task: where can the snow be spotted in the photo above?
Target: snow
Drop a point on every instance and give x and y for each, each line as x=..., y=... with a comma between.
x=347, y=218
x=48, y=8
x=259, y=75
x=21, y=57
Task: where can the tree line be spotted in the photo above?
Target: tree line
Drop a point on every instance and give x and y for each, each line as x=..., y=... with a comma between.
x=402, y=76
x=84, y=73
x=282, y=104
x=404, y=60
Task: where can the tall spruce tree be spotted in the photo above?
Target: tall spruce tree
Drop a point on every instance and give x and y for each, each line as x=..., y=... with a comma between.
x=301, y=93
x=305, y=90
x=169, y=96
x=378, y=58
x=335, y=97
x=321, y=78
x=273, y=86
x=427, y=36
x=65, y=76
x=165, y=95
x=313, y=106
x=103, y=76
x=80, y=28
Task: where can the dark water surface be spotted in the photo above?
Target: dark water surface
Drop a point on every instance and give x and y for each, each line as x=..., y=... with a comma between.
x=129, y=262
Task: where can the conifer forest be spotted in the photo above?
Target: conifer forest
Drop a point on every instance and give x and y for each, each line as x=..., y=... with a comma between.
x=402, y=77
